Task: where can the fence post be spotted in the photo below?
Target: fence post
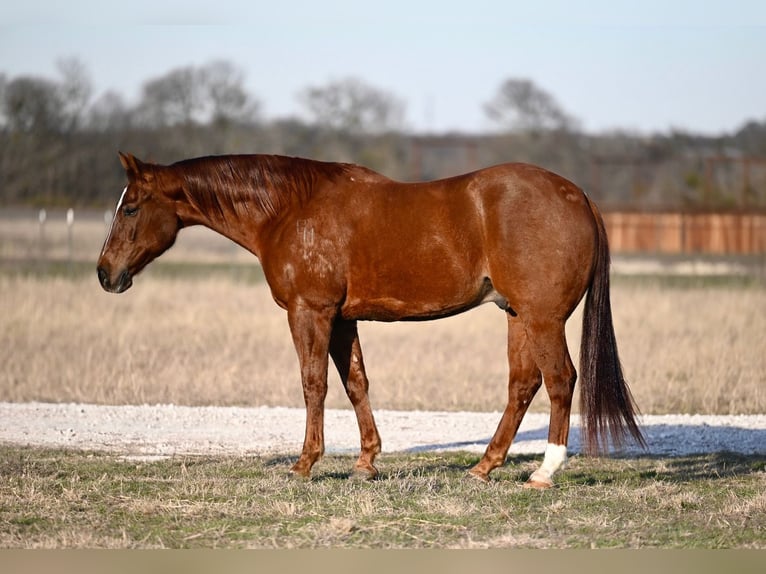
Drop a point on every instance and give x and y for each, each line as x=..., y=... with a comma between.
x=42, y=216
x=69, y=235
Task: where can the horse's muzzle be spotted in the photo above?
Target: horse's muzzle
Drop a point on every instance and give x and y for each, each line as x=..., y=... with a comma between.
x=123, y=282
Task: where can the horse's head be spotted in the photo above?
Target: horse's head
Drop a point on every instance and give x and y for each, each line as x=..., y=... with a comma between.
x=145, y=225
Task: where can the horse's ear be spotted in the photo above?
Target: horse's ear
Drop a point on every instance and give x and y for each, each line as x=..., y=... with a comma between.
x=128, y=162
x=134, y=167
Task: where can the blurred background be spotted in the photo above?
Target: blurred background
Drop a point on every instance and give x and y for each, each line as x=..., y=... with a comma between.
x=657, y=110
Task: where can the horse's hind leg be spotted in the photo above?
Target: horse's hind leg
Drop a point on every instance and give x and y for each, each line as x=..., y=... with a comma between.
x=346, y=352
x=523, y=382
x=549, y=347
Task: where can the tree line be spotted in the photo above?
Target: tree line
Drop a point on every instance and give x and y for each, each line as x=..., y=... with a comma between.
x=58, y=141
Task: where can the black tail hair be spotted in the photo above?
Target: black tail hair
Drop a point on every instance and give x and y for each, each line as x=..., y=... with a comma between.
x=607, y=409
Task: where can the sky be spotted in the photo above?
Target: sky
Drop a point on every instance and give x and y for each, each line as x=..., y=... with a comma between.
x=644, y=66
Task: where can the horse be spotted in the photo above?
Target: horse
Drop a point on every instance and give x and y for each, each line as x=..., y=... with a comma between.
x=340, y=243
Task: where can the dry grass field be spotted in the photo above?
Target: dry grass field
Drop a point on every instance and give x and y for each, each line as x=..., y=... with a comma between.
x=215, y=340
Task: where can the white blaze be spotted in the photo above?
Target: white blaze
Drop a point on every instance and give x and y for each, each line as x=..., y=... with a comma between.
x=116, y=211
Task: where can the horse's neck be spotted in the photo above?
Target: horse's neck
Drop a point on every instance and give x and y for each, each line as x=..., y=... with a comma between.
x=240, y=212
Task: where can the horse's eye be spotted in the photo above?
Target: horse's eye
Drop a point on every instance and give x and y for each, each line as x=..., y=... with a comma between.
x=129, y=211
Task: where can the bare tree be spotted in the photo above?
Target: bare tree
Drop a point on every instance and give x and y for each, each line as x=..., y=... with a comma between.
x=75, y=90
x=197, y=95
x=520, y=105
x=351, y=105
x=109, y=113
x=226, y=98
x=175, y=98
x=32, y=104
x=3, y=84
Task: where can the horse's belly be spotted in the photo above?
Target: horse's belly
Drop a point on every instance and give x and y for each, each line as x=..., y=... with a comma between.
x=391, y=309
x=409, y=301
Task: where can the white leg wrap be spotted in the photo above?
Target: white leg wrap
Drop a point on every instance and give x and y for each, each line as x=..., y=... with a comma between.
x=555, y=459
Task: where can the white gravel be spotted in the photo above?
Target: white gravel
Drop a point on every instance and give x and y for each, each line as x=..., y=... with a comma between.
x=158, y=431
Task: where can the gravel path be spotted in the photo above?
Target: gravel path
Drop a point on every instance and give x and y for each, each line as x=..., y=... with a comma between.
x=159, y=431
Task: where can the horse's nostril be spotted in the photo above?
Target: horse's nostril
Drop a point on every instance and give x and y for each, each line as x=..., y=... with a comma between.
x=103, y=277
x=118, y=285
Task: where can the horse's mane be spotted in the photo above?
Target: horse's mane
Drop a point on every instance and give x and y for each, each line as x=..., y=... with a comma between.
x=240, y=183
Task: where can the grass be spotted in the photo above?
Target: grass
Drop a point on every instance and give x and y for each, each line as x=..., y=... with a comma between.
x=62, y=499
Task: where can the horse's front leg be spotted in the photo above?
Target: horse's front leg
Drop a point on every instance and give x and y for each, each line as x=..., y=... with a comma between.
x=311, y=326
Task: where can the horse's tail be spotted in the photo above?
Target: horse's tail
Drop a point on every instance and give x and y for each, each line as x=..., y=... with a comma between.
x=605, y=400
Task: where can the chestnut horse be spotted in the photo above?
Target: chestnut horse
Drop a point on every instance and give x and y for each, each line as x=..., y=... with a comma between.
x=339, y=243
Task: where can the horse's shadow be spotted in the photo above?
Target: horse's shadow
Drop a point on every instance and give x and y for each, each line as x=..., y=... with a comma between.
x=688, y=452
x=524, y=436
x=663, y=440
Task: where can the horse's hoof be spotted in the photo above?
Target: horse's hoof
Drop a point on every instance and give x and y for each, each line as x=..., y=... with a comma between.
x=364, y=474
x=539, y=483
x=298, y=475
x=478, y=475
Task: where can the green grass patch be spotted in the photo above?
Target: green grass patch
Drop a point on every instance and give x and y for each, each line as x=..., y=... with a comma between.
x=67, y=499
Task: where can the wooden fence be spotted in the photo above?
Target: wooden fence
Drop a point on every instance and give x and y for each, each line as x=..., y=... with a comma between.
x=687, y=233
